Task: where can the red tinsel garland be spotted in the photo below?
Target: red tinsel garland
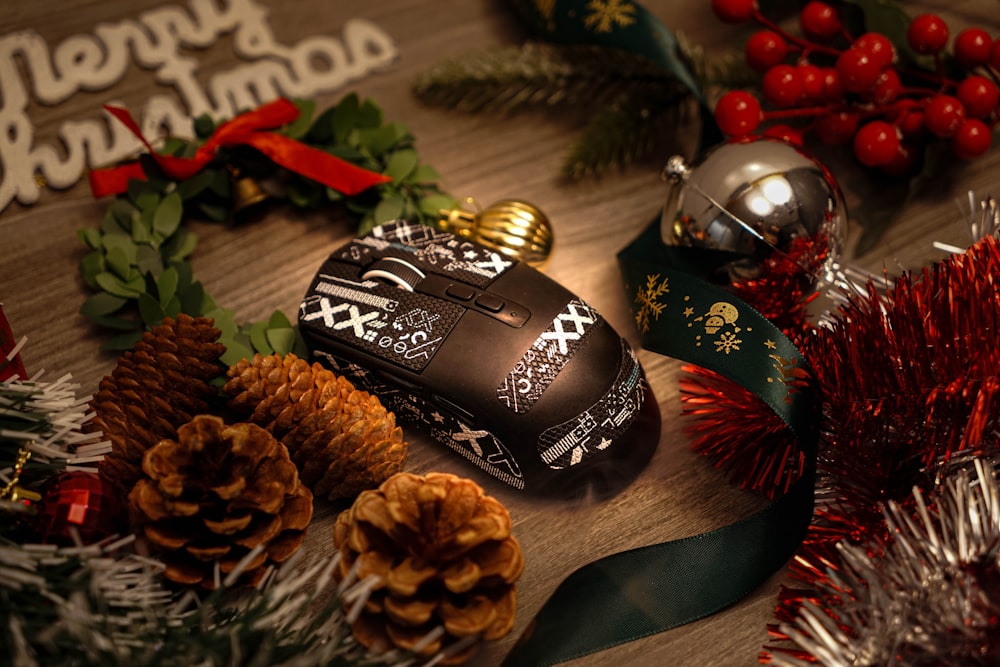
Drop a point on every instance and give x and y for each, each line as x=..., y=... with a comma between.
x=910, y=380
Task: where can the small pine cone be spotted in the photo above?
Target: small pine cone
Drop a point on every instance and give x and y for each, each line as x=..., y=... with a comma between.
x=343, y=439
x=161, y=383
x=214, y=494
x=436, y=552
x=278, y=392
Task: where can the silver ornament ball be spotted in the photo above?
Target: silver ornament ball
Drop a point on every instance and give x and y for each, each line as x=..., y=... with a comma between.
x=753, y=198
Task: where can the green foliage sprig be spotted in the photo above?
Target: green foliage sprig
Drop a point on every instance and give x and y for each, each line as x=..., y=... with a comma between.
x=139, y=268
x=628, y=104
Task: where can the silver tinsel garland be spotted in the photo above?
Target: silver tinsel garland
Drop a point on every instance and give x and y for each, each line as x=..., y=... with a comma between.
x=929, y=596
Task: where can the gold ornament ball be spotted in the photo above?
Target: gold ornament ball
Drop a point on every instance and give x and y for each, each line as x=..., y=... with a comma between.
x=512, y=227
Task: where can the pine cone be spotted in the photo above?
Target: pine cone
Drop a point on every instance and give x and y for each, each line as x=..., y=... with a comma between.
x=343, y=439
x=161, y=383
x=215, y=494
x=439, y=553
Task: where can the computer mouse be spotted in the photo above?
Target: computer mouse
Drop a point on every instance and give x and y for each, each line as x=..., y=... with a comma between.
x=488, y=355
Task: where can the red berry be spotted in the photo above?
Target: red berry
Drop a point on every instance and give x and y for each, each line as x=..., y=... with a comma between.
x=857, y=70
x=734, y=11
x=820, y=21
x=887, y=88
x=972, y=47
x=877, y=46
x=765, y=49
x=927, y=33
x=737, y=113
x=782, y=86
x=911, y=122
x=979, y=95
x=943, y=115
x=876, y=143
x=813, y=89
x=972, y=139
x=786, y=133
x=832, y=90
x=837, y=128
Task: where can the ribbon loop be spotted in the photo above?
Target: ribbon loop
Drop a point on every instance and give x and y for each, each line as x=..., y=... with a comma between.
x=246, y=129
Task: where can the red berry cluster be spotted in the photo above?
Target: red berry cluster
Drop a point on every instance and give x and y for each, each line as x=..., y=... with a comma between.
x=852, y=89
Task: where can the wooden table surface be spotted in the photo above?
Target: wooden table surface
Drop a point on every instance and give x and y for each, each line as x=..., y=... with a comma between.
x=267, y=265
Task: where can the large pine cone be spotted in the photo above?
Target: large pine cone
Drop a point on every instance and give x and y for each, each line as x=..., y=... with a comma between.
x=343, y=439
x=440, y=554
x=161, y=383
x=216, y=493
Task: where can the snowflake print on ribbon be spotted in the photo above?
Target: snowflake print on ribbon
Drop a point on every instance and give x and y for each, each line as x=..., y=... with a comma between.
x=606, y=14
x=647, y=298
x=720, y=322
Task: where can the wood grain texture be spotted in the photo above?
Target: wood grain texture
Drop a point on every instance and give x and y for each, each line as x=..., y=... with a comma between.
x=267, y=265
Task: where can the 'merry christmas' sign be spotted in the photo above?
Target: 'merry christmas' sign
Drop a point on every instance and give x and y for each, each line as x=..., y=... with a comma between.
x=155, y=41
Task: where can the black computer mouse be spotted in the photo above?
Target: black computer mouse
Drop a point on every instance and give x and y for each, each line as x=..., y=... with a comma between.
x=489, y=355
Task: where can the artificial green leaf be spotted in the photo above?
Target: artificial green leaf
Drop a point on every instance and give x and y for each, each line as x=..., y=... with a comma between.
x=113, y=322
x=192, y=299
x=258, y=338
x=148, y=260
x=100, y=304
x=278, y=320
x=172, y=308
x=180, y=245
x=91, y=236
x=204, y=126
x=125, y=341
x=168, y=215
x=92, y=264
x=112, y=284
x=321, y=131
x=434, y=203
x=345, y=117
x=121, y=242
x=221, y=184
x=117, y=262
x=401, y=164
x=235, y=352
x=194, y=186
x=121, y=211
x=214, y=212
x=281, y=339
x=297, y=128
x=224, y=319
x=425, y=173
x=140, y=232
x=380, y=139
x=166, y=285
x=369, y=114
x=150, y=310
x=147, y=201
x=390, y=208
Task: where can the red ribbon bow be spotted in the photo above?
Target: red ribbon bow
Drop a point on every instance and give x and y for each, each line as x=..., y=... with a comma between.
x=245, y=129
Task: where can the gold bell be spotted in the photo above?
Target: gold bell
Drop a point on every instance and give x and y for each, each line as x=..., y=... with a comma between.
x=512, y=227
x=247, y=195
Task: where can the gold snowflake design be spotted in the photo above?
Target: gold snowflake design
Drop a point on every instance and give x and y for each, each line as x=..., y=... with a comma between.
x=648, y=300
x=606, y=14
x=728, y=342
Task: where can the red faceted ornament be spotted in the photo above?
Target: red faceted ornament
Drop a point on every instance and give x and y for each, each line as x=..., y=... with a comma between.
x=79, y=502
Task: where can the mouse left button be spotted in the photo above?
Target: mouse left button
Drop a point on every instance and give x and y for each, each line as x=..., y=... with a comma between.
x=395, y=271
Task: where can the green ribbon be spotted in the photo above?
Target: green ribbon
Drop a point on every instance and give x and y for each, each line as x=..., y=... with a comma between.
x=647, y=590
x=618, y=24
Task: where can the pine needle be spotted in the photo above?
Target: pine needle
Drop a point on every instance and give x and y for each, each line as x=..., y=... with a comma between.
x=538, y=75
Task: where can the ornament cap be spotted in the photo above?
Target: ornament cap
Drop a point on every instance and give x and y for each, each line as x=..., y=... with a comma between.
x=512, y=227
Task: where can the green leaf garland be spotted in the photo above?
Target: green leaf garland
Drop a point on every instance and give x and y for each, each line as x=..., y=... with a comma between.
x=138, y=267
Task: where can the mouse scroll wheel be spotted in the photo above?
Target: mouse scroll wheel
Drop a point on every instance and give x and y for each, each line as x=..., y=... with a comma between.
x=394, y=270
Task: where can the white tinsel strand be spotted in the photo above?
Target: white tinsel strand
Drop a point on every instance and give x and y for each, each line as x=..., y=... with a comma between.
x=111, y=608
x=929, y=599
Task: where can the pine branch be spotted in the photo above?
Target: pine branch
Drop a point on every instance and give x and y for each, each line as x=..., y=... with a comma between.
x=540, y=75
x=629, y=130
